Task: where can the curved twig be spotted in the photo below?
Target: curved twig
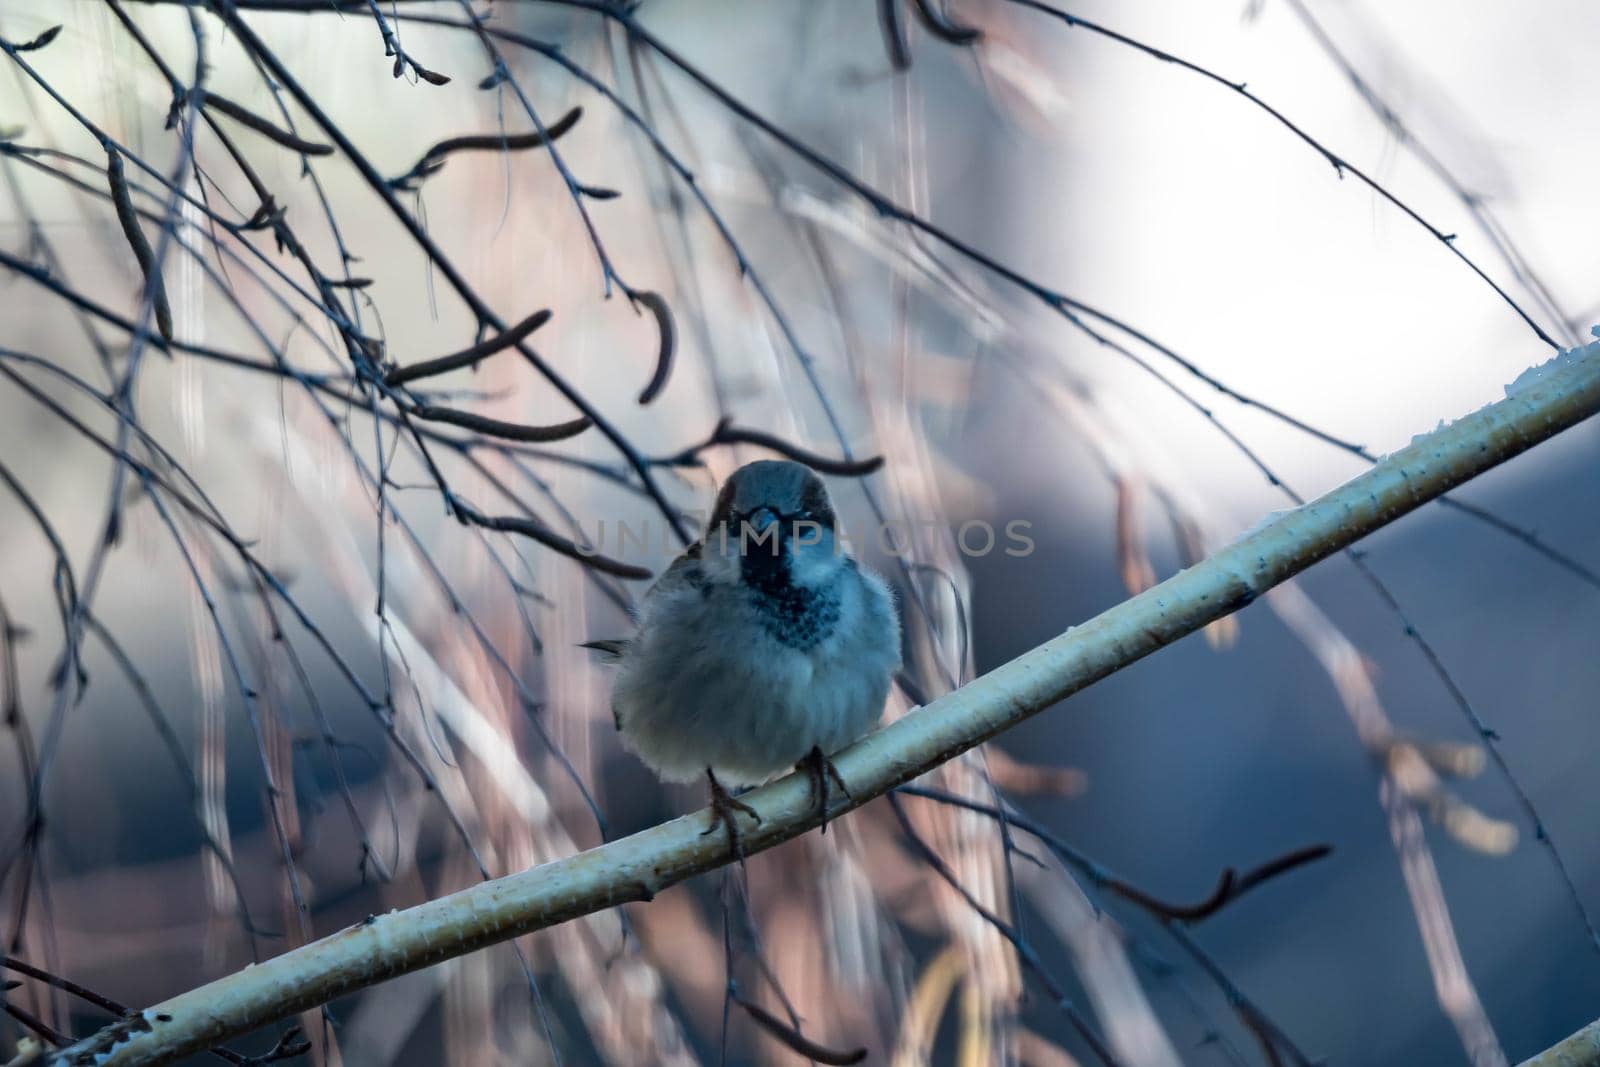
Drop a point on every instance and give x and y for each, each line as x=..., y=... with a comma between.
x=796, y=1040
x=511, y=431
x=894, y=34
x=434, y=158
x=117, y=178
x=468, y=357
x=942, y=25
x=727, y=433
x=246, y=117
x=656, y=304
x=541, y=533
x=40, y=41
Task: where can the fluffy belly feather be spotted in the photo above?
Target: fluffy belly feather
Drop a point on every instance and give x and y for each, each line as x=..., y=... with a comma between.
x=747, y=720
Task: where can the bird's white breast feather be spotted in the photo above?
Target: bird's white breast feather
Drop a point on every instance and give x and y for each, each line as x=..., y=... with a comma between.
x=704, y=684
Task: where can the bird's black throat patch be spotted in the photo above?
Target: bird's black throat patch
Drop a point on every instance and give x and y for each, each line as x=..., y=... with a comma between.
x=792, y=614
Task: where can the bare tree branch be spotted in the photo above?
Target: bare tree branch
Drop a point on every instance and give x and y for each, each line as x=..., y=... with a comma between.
x=1547, y=401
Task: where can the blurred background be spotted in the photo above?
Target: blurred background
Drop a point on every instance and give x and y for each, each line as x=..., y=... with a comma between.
x=287, y=692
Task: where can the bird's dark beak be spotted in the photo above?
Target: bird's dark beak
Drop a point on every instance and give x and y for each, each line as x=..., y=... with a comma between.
x=761, y=534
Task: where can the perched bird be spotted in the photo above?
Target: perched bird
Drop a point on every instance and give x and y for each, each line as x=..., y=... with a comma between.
x=763, y=647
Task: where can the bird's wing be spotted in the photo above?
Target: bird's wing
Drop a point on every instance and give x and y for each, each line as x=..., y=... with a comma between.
x=684, y=574
x=685, y=571
x=610, y=652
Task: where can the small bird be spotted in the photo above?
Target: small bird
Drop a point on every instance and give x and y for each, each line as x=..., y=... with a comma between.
x=763, y=647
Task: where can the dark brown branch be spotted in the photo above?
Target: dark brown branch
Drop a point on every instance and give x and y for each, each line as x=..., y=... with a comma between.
x=37, y=1025
x=511, y=431
x=1230, y=887
x=9, y=963
x=266, y=129
x=290, y=1044
x=434, y=158
x=943, y=26
x=541, y=533
x=129, y=219
x=728, y=434
x=796, y=1040
x=495, y=142
x=40, y=41
x=468, y=357
x=667, y=330
x=894, y=34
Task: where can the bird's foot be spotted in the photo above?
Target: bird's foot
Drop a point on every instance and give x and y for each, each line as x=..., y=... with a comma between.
x=724, y=806
x=822, y=770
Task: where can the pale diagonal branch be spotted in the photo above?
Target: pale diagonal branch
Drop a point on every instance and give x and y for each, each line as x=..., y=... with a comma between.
x=1582, y=1049
x=634, y=868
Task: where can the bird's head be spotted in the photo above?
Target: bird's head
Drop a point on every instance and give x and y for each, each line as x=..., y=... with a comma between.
x=774, y=522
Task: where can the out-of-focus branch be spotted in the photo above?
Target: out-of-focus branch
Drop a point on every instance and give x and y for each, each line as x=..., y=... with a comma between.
x=1582, y=1049
x=1542, y=404
x=726, y=433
